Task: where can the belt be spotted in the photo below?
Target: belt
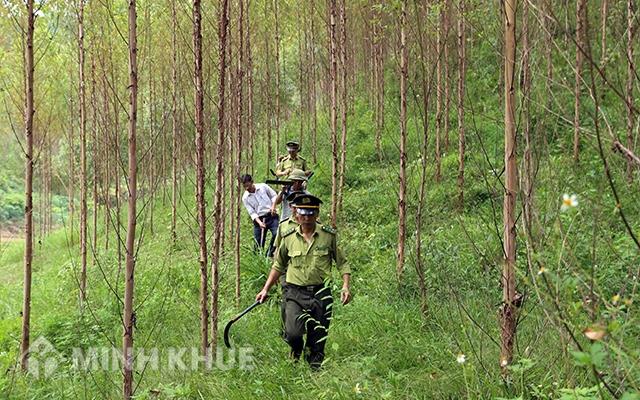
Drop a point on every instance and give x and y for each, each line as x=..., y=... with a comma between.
x=308, y=288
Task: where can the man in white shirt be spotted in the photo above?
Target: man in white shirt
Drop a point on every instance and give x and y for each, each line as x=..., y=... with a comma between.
x=258, y=199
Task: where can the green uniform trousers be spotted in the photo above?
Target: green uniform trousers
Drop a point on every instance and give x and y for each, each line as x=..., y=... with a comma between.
x=307, y=309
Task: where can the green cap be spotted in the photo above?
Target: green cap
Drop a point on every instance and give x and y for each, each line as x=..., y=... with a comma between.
x=297, y=175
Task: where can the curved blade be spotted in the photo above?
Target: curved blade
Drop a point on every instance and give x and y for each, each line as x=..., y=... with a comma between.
x=227, y=327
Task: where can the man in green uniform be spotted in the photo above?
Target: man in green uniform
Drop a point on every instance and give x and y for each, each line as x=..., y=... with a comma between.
x=306, y=253
x=292, y=161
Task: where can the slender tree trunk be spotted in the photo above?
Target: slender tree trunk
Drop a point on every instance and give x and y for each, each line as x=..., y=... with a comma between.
x=402, y=191
x=426, y=95
x=462, y=60
x=580, y=32
x=334, y=118
x=277, y=21
x=251, y=144
x=447, y=80
x=529, y=172
x=200, y=174
x=28, y=183
x=604, y=11
x=128, y=320
x=268, y=96
x=631, y=74
x=439, y=91
x=174, y=115
x=83, y=155
x=218, y=199
x=314, y=98
x=94, y=152
x=240, y=132
x=344, y=108
x=508, y=279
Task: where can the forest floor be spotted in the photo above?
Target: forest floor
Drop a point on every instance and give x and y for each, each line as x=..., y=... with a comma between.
x=379, y=345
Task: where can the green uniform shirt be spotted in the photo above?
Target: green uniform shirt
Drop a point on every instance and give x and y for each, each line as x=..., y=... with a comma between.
x=309, y=264
x=284, y=226
x=288, y=164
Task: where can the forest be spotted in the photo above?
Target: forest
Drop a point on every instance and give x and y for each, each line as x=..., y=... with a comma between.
x=465, y=180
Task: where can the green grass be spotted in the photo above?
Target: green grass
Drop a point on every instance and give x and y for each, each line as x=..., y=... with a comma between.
x=379, y=346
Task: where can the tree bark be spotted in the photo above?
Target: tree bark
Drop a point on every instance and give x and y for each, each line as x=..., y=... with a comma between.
x=426, y=95
x=631, y=75
x=461, y=88
x=580, y=32
x=200, y=174
x=447, y=80
x=402, y=191
x=218, y=215
x=83, y=155
x=174, y=116
x=277, y=33
x=334, y=134
x=28, y=208
x=439, y=91
x=343, y=99
x=508, y=279
x=129, y=319
x=240, y=132
x=314, y=101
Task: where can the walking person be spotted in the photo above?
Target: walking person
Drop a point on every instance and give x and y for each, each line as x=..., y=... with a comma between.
x=286, y=164
x=258, y=199
x=306, y=254
x=298, y=179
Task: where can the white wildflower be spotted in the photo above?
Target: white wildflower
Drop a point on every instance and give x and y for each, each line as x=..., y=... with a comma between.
x=568, y=201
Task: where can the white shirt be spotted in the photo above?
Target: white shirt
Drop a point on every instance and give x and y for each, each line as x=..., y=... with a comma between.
x=259, y=203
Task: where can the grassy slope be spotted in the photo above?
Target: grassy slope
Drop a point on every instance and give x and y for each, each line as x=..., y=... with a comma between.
x=379, y=343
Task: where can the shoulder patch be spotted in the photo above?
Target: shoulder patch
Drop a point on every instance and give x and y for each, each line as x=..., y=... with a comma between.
x=285, y=220
x=329, y=229
x=288, y=232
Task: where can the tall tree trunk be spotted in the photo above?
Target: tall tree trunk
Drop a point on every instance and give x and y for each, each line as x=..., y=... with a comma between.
x=439, y=91
x=200, y=174
x=128, y=320
x=277, y=21
x=268, y=96
x=604, y=11
x=426, y=95
x=240, y=132
x=508, y=279
x=94, y=154
x=251, y=144
x=447, y=80
x=528, y=173
x=343, y=99
x=462, y=60
x=631, y=74
x=83, y=155
x=218, y=199
x=314, y=99
x=174, y=116
x=580, y=32
x=334, y=95
x=402, y=191
x=28, y=183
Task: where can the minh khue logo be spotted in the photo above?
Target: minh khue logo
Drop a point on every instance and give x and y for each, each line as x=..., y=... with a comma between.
x=43, y=358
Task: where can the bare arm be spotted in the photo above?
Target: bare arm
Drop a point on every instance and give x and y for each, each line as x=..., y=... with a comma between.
x=271, y=280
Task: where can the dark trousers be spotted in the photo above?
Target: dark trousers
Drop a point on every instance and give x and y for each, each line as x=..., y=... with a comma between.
x=260, y=234
x=307, y=309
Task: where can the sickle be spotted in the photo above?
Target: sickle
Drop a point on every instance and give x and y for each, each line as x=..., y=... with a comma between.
x=237, y=317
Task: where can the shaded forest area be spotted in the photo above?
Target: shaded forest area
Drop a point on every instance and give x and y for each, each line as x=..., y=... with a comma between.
x=478, y=160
